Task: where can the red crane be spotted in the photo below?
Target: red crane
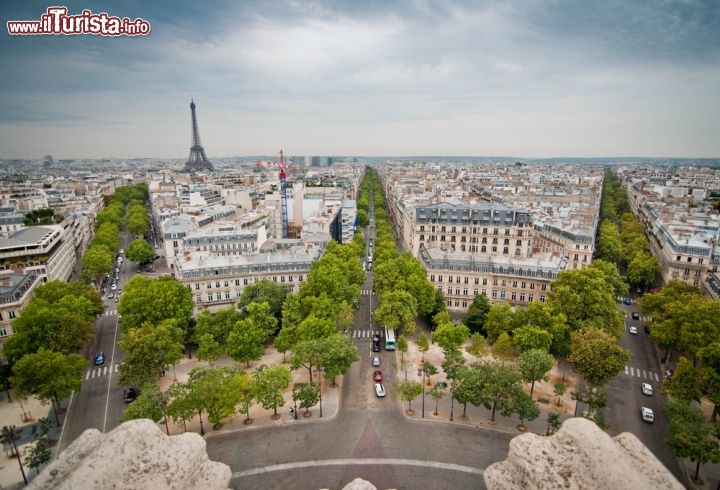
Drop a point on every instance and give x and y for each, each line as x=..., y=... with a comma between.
x=283, y=188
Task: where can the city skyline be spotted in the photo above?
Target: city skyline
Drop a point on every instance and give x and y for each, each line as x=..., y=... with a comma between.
x=533, y=79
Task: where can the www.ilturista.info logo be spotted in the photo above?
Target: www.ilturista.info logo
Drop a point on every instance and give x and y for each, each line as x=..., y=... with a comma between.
x=57, y=21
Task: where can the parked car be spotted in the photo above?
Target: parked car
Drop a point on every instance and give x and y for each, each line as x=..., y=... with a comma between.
x=379, y=390
x=627, y=301
x=377, y=375
x=647, y=389
x=376, y=346
x=129, y=394
x=647, y=414
x=376, y=361
x=99, y=358
x=635, y=315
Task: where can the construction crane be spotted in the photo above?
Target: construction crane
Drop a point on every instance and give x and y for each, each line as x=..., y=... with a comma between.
x=283, y=188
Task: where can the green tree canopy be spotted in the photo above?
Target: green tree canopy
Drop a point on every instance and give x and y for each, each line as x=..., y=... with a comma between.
x=534, y=365
x=272, y=293
x=596, y=355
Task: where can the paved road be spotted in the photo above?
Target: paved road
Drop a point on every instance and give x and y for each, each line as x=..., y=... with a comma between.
x=368, y=439
x=625, y=397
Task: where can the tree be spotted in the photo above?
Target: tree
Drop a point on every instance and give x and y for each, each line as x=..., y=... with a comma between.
x=245, y=342
x=308, y=394
x=585, y=297
x=208, y=348
x=262, y=317
x=503, y=347
x=709, y=357
x=643, y=269
x=689, y=436
x=530, y=337
x=477, y=314
x=140, y=251
x=437, y=392
x=553, y=423
x=402, y=347
x=559, y=389
x=467, y=385
x=477, y=346
x=151, y=403
x=38, y=454
x=450, y=337
x=218, y=324
x=272, y=293
x=427, y=370
x=149, y=350
x=407, y=391
x=51, y=376
x=270, y=383
x=338, y=354
x=499, y=321
x=312, y=328
x=97, y=261
x=154, y=300
x=245, y=386
x=524, y=407
x=8, y=436
x=685, y=384
x=500, y=388
x=597, y=356
x=422, y=344
x=307, y=354
x=397, y=310
x=534, y=366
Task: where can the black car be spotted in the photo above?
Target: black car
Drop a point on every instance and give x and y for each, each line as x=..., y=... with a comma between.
x=129, y=394
x=635, y=315
x=376, y=346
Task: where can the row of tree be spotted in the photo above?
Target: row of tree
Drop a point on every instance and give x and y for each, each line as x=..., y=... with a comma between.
x=621, y=237
x=100, y=255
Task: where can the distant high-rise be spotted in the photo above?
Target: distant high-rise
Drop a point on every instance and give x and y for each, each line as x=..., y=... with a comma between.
x=198, y=160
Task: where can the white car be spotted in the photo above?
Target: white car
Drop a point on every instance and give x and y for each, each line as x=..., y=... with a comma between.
x=633, y=330
x=376, y=361
x=647, y=414
x=647, y=389
x=379, y=390
x=113, y=287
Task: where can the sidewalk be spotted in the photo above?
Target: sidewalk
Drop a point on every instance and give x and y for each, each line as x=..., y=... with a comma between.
x=259, y=417
x=480, y=417
x=11, y=413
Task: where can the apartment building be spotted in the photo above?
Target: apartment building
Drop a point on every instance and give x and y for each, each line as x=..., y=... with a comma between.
x=504, y=231
x=30, y=257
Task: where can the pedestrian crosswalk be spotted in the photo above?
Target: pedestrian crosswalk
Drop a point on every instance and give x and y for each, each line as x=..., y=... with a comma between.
x=101, y=371
x=366, y=292
x=365, y=334
x=642, y=373
x=110, y=313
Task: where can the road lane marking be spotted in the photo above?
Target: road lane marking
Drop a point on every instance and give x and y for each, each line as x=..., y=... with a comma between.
x=358, y=462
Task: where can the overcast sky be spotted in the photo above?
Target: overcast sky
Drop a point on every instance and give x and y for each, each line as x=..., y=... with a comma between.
x=530, y=78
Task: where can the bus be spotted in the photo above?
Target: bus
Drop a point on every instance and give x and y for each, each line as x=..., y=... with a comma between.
x=389, y=339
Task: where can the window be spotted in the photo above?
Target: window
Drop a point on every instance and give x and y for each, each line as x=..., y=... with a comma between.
x=466, y=279
x=477, y=280
x=689, y=259
x=422, y=238
x=457, y=291
x=513, y=295
x=198, y=298
x=543, y=287
x=217, y=283
x=522, y=297
x=464, y=304
x=502, y=294
x=432, y=277
x=484, y=281
x=440, y=278
x=457, y=303
x=449, y=291
x=237, y=282
x=494, y=249
x=465, y=291
x=502, y=283
x=531, y=297
x=532, y=285
x=475, y=292
x=505, y=250
x=209, y=285
x=494, y=294
x=197, y=286
x=542, y=298
x=678, y=258
x=457, y=279
x=450, y=279
x=3, y=332
x=518, y=243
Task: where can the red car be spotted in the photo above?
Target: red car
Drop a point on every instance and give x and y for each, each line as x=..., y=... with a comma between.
x=377, y=375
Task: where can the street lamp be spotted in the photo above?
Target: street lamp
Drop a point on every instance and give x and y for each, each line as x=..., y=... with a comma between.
x=320, y=370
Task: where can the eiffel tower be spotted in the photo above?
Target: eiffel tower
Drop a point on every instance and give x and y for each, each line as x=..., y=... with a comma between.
x=198, y=160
